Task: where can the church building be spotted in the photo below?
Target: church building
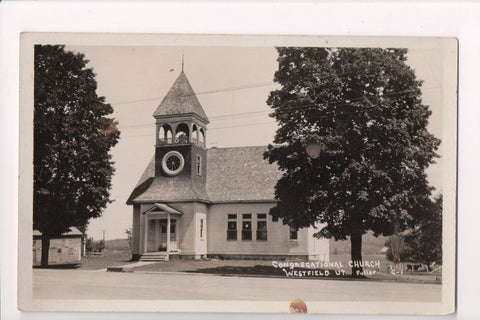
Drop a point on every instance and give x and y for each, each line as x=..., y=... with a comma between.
x=192, y=202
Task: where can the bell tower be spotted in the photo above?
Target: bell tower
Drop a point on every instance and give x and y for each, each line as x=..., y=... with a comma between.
x=181, y=126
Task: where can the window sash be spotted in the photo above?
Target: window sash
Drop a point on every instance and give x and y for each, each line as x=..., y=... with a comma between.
x=261, y=216
x=261, y=229
x=199, y=165
x=293, y=233
x=232, y=226
x=247, y=230
x=231, y=234
x=173, y=229
x=246, y=234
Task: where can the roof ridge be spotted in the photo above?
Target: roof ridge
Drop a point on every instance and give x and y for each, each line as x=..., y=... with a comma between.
x=237, y=147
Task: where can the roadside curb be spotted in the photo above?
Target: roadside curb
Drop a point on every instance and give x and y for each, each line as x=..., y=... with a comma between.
x=119, y=269
x=128, y=267
x=272, y=276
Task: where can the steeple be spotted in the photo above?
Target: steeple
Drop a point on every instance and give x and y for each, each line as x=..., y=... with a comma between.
x=181, y=100
x=181, y=130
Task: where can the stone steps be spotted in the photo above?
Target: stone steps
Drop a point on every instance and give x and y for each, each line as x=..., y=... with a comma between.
x=159, y=257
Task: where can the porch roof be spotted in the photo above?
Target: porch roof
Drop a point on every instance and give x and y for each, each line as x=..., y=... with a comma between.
x=162, y=207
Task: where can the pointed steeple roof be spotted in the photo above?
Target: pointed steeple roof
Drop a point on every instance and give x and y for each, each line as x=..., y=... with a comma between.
x=180, y=100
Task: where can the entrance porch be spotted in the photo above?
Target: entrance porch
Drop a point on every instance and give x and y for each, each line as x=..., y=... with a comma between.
x=160, y=232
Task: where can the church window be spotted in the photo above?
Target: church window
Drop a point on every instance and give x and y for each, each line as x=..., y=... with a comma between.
x=161, y=134
x=169, y=136
x=293, y=234
x=198, y=165
x=194, y=134
x=201, y=229
x=201, y=137
x=173, y=229
x=246, y=226
x=232, y=227
x=261, y=226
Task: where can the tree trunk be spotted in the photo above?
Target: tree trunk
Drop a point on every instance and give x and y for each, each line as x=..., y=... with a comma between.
x=356, y=253
x=45, y=249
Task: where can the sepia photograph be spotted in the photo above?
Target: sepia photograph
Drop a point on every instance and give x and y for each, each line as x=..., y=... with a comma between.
x=259, y=174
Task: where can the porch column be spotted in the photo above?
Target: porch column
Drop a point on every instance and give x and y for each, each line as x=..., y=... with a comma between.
x=146, y=234
x=168, y=232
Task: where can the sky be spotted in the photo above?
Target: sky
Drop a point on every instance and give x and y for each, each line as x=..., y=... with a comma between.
x=231, y=83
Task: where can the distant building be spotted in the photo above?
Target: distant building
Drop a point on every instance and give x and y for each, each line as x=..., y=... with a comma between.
x=192, y=202
x=66, y=249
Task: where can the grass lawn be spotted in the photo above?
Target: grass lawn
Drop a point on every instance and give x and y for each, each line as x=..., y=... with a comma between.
x=196, y=265
x=265, y=268
x=117, y=252
x=109, y=258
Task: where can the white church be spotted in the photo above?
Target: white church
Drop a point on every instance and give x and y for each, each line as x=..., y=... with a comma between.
x=192, y=202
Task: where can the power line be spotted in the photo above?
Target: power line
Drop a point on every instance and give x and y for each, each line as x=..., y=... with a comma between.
x=227, y=89
x=219, y=118
x=248, y=86
x=239, y=114
x=370, y=106
x=293, y=109
x=243, y=125
x=214, y=128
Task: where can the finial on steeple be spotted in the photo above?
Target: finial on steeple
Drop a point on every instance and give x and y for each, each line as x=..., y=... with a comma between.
x=182, y=62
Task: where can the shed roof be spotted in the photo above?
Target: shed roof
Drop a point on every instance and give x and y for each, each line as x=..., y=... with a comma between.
x=162, y=207
x=180, y=99
x=238, y=174
x=73, y=232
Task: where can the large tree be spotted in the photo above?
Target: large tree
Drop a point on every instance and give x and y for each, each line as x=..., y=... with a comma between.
x=72, y=137
x=363, y=107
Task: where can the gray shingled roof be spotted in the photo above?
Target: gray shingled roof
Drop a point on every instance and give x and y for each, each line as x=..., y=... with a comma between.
x=169, y=189
x=180, y=99
x=233, y=175
x=240, y=174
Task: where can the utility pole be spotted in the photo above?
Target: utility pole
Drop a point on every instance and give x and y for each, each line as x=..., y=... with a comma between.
x=103, y=242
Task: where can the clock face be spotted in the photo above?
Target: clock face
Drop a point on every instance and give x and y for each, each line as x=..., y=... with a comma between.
x=172, y=163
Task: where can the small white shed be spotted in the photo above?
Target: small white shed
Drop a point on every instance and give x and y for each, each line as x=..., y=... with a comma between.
x=63, y=250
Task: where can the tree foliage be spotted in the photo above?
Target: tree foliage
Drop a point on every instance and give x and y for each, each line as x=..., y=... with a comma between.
x=423, y=243
x=72, y=137
x=364, y=107
x=129, y=233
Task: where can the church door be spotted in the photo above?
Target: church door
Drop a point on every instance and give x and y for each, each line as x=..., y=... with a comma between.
x=157, y=235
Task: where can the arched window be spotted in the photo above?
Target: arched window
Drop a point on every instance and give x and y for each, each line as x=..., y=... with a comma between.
x=201, y=137
x=181, y=134
x=165, y=134
x=161, y=135
x=169, y=136
x=194, y=134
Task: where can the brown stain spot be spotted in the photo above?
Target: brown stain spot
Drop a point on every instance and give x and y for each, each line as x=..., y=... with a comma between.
x=396, y=258
x=298, y=306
